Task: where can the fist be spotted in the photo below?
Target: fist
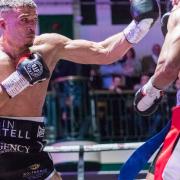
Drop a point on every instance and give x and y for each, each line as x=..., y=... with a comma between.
x=147, y=99
x=30, y=70
x=33, y=68
x=144, y=13
x=144, y=9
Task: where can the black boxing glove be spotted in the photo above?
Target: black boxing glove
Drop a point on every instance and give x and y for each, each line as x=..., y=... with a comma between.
x=164, y=22
x=144, y=13
x=147, y=99
x=33, y=68
x=30, y=70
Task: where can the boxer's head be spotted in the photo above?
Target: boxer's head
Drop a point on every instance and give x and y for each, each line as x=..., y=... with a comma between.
x=18, y=19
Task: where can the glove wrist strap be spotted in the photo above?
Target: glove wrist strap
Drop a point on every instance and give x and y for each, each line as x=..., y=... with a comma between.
x=135, y=31
x=151, y=90
x=14, y=84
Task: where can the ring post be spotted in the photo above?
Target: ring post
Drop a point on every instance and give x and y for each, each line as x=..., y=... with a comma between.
x=80, y=167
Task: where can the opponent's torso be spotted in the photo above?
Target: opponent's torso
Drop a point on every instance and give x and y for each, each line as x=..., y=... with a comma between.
x=31, y=100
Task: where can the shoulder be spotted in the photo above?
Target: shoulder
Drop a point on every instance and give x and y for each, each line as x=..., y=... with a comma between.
x=174, y=19
x=50, y=38
x=50, y=46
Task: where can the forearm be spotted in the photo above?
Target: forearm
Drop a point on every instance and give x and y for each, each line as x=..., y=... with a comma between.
x=168, y=66
x=165, y=74
x=162, y=79
x=88, y=52
x=115, y=47
x=105, y=52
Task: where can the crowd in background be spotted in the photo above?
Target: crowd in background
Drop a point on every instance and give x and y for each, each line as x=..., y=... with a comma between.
x=72, y=83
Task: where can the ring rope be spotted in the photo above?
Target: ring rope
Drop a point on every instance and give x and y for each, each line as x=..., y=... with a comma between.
x=93, y=148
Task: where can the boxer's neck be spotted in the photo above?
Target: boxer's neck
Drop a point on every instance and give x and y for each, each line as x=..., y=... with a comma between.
x=12, y=50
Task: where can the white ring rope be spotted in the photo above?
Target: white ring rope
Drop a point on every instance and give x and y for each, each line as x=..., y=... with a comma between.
x=93, y=148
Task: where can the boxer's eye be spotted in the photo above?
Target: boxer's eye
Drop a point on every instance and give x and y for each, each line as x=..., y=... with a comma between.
x=24, y=20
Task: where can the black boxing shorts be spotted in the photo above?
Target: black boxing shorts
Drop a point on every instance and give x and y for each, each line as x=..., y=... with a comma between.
x=21, y=155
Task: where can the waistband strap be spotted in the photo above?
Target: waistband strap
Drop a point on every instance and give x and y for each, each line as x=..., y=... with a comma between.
x=36, y=119
x=21, y=129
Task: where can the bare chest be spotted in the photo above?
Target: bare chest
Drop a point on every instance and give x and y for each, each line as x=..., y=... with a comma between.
x=27, y=103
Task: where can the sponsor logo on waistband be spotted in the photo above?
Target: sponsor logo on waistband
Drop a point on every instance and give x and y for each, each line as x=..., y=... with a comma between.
x=34, y=166
x=35, y=174
x=7, y=129
x=41, y=145
x=41, y=131
x=5, y=147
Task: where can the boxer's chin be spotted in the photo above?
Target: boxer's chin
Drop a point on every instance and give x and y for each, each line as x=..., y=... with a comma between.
x=29, y=43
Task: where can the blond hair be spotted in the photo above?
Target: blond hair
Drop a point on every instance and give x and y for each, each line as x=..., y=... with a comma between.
x=10, y=4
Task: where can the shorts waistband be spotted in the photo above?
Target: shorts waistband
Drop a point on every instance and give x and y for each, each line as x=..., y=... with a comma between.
x=36, y=119
x=21, y=129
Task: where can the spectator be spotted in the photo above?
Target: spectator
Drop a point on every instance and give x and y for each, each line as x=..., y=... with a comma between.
x=131, y=65
x=143, y=80
x=95, y=78
x=148, y=63
x=118, y=84
x=131, y=68
x=108, y=71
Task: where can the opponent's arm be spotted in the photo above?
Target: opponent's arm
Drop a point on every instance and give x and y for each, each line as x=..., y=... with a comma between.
x=168, y=64
x=148, y=97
